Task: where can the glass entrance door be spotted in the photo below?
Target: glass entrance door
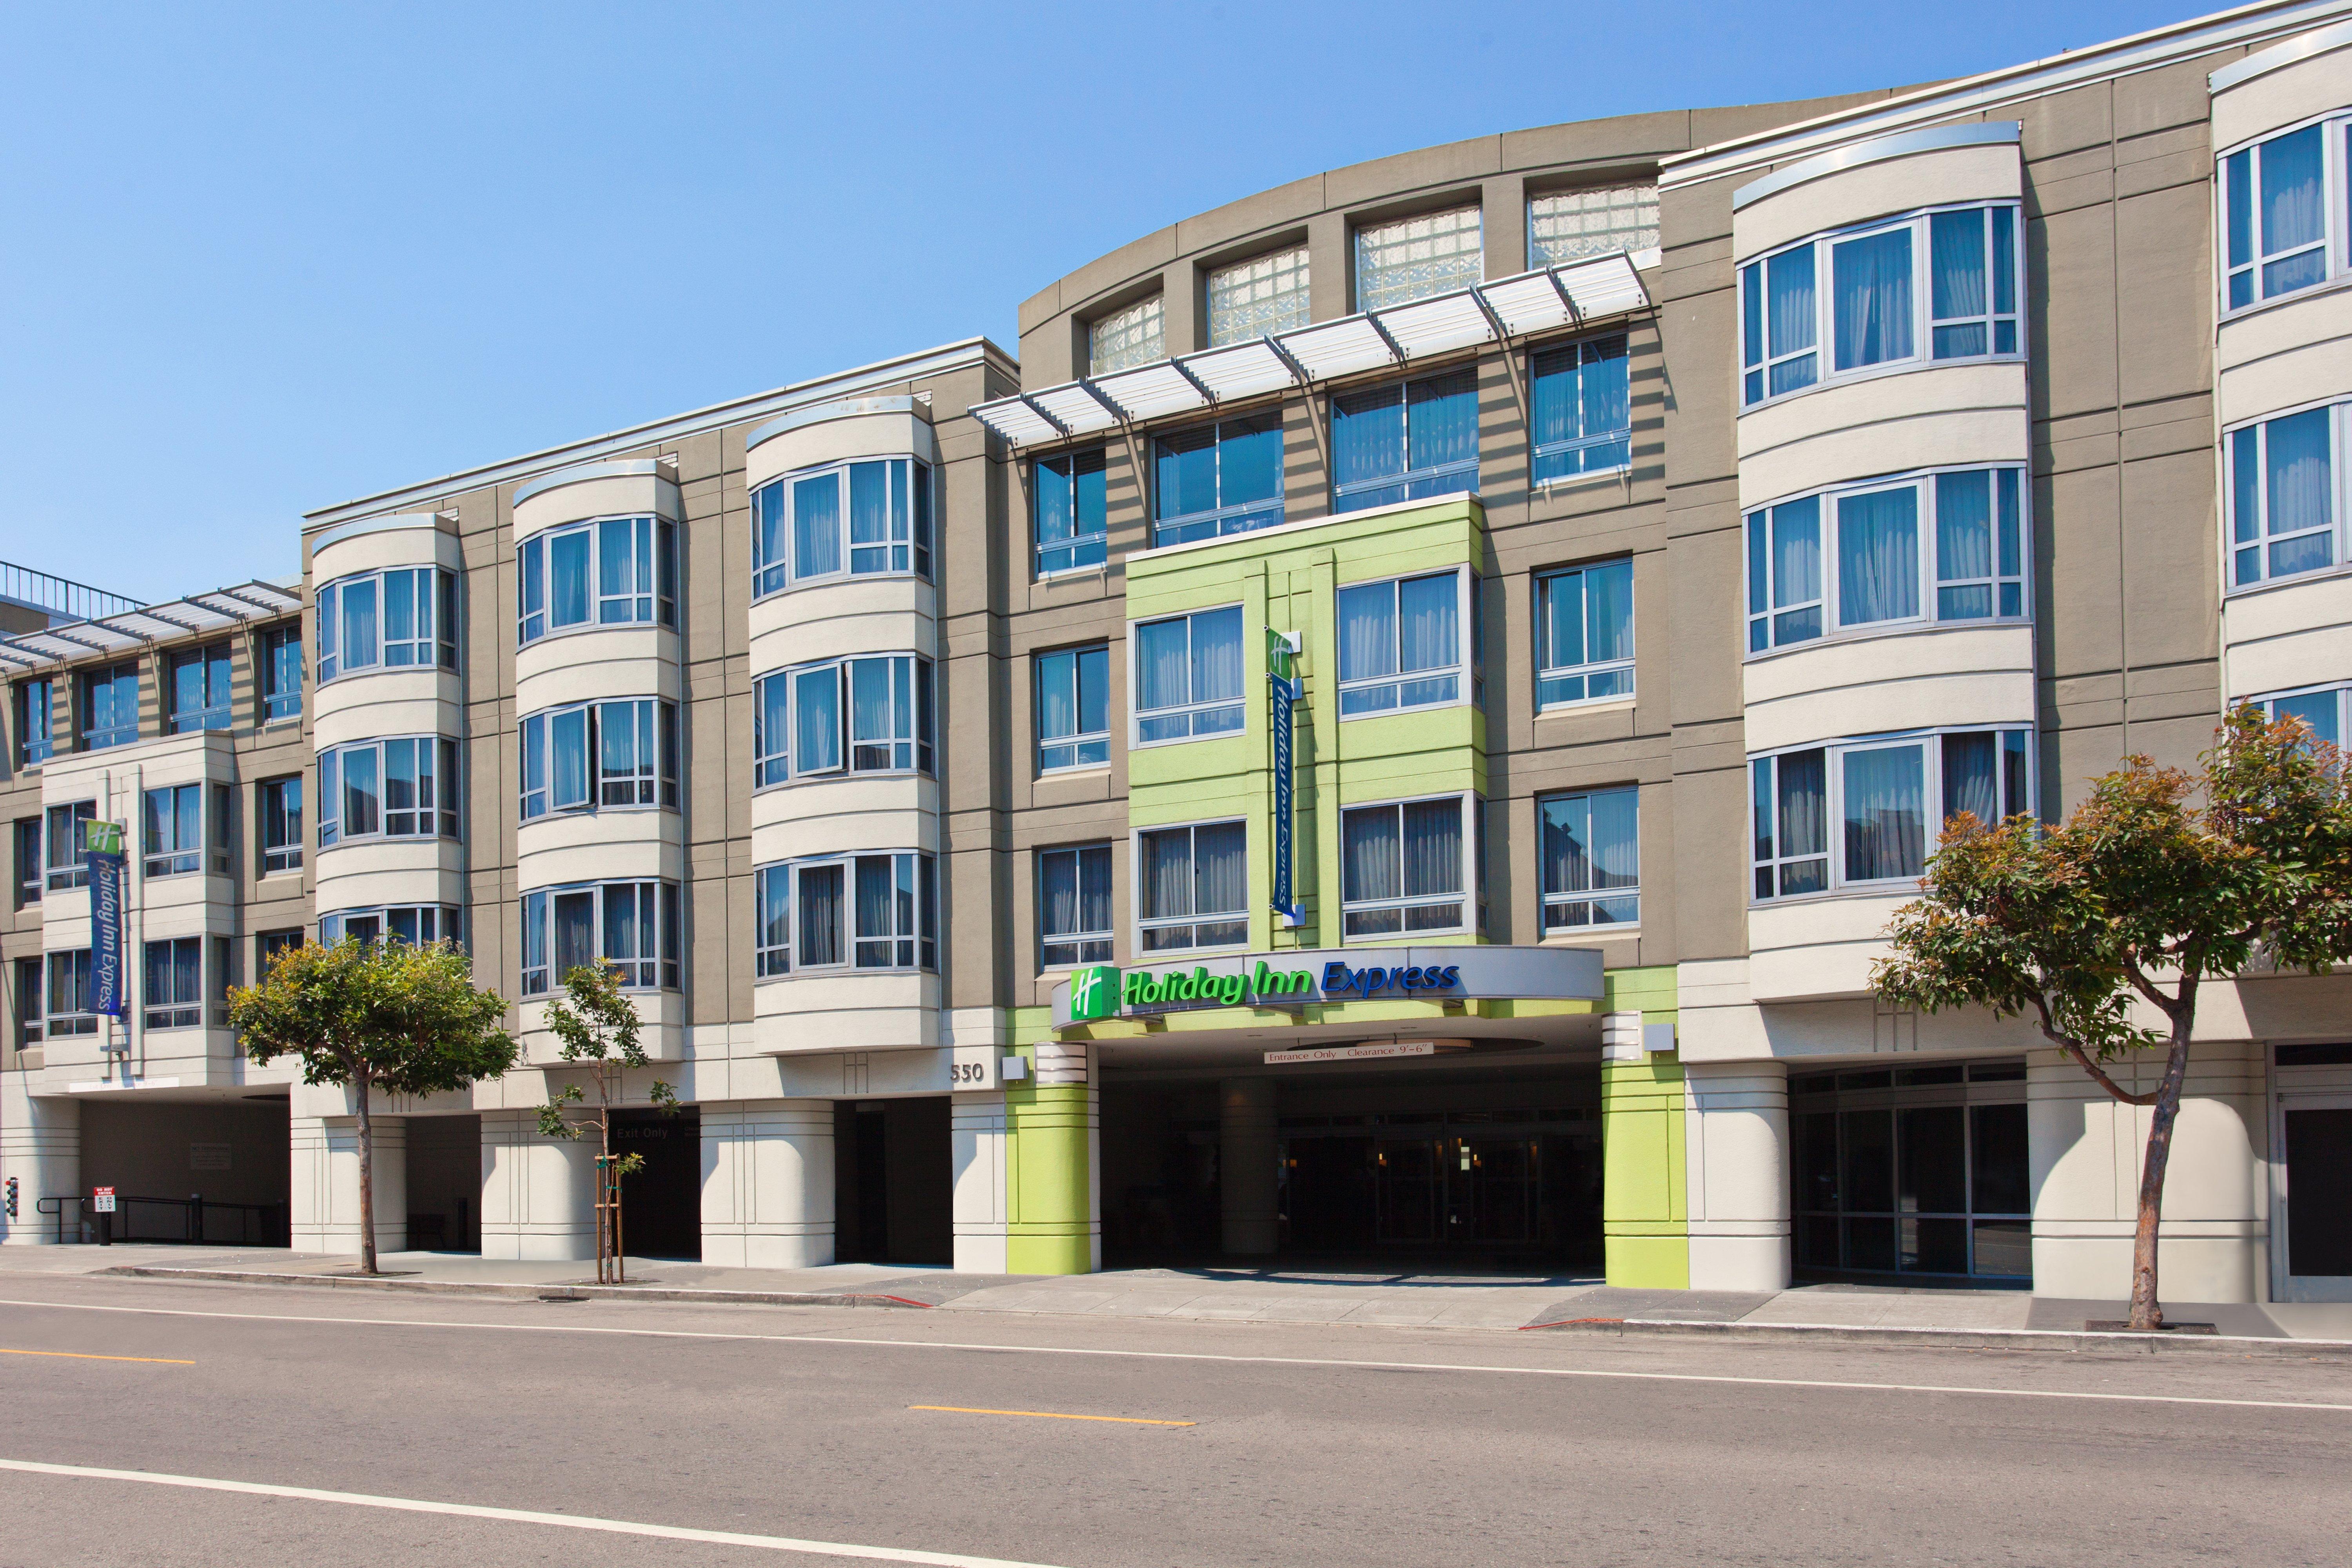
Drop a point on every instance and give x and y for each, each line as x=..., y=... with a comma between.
x=2316, y=1202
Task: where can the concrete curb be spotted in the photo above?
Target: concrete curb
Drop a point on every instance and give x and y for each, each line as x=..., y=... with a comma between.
x=527, y=1292
x=1962, y=1339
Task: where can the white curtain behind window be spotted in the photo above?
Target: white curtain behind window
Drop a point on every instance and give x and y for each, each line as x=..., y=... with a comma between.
x=1870, y=279
x=1878, y=556
x=1220, y=872
x=1433, y=848
x=1369, y=869
x=1885, y=813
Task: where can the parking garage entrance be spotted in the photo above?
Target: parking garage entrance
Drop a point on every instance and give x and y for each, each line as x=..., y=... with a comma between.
x=893, y=1181
x=661, y=1205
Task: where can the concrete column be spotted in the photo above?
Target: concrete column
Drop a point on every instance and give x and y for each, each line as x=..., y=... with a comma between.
x=767, y=1183
x=324, y=1157
x=40, y=1147
x=1052, y=1181
x=1247, y=1153
x=1735, y=1143
x=978, y=1142
x=539, y=1194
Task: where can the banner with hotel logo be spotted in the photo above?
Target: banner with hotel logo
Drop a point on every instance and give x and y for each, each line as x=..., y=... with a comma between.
x=102, y=847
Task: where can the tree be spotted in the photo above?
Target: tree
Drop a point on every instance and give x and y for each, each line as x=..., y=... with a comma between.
x=2140, y=897
x=598, y=1025
x=377, y=1015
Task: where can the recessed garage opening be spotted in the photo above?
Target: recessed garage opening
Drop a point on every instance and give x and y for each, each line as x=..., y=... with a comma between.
x=893, y=1181
x=661, y=1205
x=206, y=1172
x=444, y=1183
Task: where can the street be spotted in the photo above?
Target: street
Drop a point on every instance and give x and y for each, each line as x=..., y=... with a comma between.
x=927, y=1436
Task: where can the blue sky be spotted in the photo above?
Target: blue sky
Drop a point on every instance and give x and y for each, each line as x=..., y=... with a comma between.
x=260, y=259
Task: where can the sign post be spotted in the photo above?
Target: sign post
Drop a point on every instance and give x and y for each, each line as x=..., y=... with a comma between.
x=1283, y=695
x=102, y=847
x=101, y=1201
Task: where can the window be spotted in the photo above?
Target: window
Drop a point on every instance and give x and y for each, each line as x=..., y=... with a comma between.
x=1913, y=1170
x=419, y=925
x=25, y=842
x=2322, y=710
x=268, y=944
x=28, y=1002
x=633, y=925
x=279, y=654
x=1940, y=547
x=1188, y=676
x=2277, y=212
x=34, y=700
x=1073, y=708
x=228, y=973
x=199, y=691
x=68, y=854
x=1400, y=644
x=1584, y=635
x=1217, y=479
x=798, y=522
x=71, y=994
x=2284, y=510
x=1872, y=314
x=600, y=753
x=1072, y=514
x=1193, y=888
x=398, y=789
x=171, y=830
x=1401, y=868
x=175, y=984
x=1865, y=811
x=861, y=911
x=279, y=809
x=1583, y=410
x=1130, y=337
x=614, y=571
x=1258, y=298
x=1591, y=859
x=1403, y=442
x=1074, y=911
x=1568, y=226
x=855, y=715
x=109, y=699
x=400, y=619
x=1417, y=257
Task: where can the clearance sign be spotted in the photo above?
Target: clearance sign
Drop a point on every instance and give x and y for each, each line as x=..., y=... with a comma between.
x=1291, y=980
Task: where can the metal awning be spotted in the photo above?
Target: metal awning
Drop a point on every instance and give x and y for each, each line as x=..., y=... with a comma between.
x=127, y=631
x=1534, y=302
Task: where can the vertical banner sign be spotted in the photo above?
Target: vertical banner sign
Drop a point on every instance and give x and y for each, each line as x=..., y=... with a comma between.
x=103, y=850
x=1283, y=694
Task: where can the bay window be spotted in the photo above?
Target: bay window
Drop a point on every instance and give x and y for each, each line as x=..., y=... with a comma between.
x=856, y=518
x=1073, y=708
x=1413, y=258
x=418, y=925
x=404, y=789
x=404, y=618
x=1584, y=635
x=633, y=926
x=1073, y=906
x=1405, y=441
x=871, y=714
x=1403, y=868
x=1868, y=813
x=2285, y=494
x=1258, y=298
x=1401, y=643
x=199, y=688
x=1192, y=887
x=1069, y=511
x=2322, y=710
x=593, y=754
x=2281, y=198
x=1583, y=410
x=174, y=984
x=852, y=912
x=1217, y=479
x=1874, y=311
x=1939, y=547
x=1188, y=676
x=1591, y=859
x=613, y=570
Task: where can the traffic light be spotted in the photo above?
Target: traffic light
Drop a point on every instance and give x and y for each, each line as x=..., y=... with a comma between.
x=12, y=1197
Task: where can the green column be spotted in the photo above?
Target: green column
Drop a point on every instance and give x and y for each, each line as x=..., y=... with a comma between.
x=1644, y=1206
x=1049, y=1197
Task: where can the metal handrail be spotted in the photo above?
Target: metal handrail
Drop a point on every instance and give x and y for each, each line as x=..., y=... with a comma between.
x=258, y=1224
x=62, y=596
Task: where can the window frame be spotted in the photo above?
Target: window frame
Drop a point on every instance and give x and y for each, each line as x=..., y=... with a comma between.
x=1086, y=945
x=178, y=858
x=1085, y=487
x=1425, y=483
x=30, y=1012
x=1537, y=259
x=2341, y=691
x=2334, y=244
x=1464, y=896
x=907, y=549
x=652, y=553
x=335, y=924
x=1130, y=319
x=2235, y=483
x=772, y=764
x=83, y=987
x=1285, y=307
x=333, y=773
x=1590, y=671
x=536, y=915
x=432, y=640
x=35, y=743
x=1220, y=521
x=653, y=783
x=215, y=676
x=1466, y=667
x=30, y=874
x=1937, y=811
x=1085, y=748
x=95, y=737
x=272, y=645
x=1144, y=925
x=73, y=871
x=175, y=1011
x=1361, y=287
x=1588, y=351
x=1194, y=707
x=285, y=853
x=912, y=942
x=1590, y=898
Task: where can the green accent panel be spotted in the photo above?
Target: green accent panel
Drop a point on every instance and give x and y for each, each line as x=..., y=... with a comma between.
x=1029, y=1025
x=1653, y=990
x=1049, y=1200
x=1644, y=1207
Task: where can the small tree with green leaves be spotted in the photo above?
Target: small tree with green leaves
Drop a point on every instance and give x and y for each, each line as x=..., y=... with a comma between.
x=598, y=1025
x=2142, y=895
x=375, y=1016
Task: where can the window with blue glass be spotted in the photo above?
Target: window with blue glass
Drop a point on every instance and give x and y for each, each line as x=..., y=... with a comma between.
x=110, y=705
x=199, y=688
x=1217, y=479
x=611, y=571
x=404, y=618
x=1937, y=547
x=1402, y=643
x=2285, y=501
x=404, y=789
x=870, y=714
x=1405, y=441
x=2320, y=708
x=1591, y=853
x=1584, y=418
x=36, y=711
x=1870, y=812
x=171, y=830
x=280, y=658
x=2281, y=204
x=1070, y=512
x=591, y=754
x=1188, y=676
x=631, y=927
x=855, y=911
x=1927, y=288
x=860, y=519
x=1073, y=708
x=1584, y=635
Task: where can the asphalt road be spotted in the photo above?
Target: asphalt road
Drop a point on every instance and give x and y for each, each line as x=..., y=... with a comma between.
x=1304, y=1446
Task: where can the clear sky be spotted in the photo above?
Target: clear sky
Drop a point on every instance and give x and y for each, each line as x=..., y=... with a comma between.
x=255, y=261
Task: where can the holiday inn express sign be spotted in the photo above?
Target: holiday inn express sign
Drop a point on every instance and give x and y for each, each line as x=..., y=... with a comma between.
x=1291, y=980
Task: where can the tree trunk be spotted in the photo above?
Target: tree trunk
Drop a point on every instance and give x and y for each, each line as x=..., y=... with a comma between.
x=367, y=1176
x=2147, y=1314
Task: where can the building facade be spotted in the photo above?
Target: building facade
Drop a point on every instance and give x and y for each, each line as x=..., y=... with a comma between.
x=1392, y=730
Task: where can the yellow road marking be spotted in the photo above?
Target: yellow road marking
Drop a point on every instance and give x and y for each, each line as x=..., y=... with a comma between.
x=79, y=1355
x=1052, y=1416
